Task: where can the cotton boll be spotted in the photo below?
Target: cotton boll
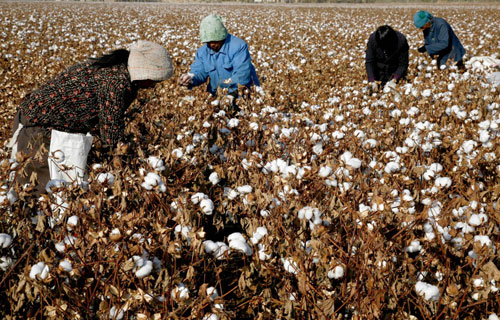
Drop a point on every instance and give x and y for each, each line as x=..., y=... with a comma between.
x=233, y=123
x=65, y=265
x=214, y=178
x=41, y=270
x=212, y=293
x=244, y=189
x=115, y=313
x=428, y=291
x=207, y=206
x=392, y=167
x=6, y=263
x=354, y=163
x=5, y=240
x=230, y=193
x=211, y=316
x=156, y=163
x=290, y=266
x=325, y=171
x=262, y=253
x=259, y=234
x=478, y=219
x=144, y=270
x=414, y=247
x=336, y=273
x=177, y=153
x=72, y=222
x=318, y=148
x=442, y=182
x=493, y=316
x=484, y=240
x=106, y=177
x=198, y=197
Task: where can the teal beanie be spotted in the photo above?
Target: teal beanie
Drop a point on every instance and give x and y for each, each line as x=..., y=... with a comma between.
x=421, y=18
x=212, y=29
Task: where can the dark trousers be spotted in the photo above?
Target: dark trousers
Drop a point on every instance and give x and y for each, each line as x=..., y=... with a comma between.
x=34, y=142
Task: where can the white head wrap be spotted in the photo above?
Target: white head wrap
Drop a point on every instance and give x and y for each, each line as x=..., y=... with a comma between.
x=149, y=61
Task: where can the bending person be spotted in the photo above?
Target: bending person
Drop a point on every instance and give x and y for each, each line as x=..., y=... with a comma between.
x=91, y=96
x=440, y=39
x=386, y=57
x=224, y=59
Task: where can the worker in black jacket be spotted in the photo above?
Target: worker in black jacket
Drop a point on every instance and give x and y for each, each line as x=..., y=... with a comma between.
x=386, y=58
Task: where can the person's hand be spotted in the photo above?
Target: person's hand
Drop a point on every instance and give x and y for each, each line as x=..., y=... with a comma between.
x=390, y=86
x=421, y=49
x=185, y=79
x=372, y=87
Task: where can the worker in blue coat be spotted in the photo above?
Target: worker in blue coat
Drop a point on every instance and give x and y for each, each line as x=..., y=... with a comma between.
x=224, y=59
x=440, y=40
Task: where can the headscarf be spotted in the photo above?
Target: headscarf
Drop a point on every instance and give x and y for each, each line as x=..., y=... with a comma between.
x=212, y=29
x=149, y=61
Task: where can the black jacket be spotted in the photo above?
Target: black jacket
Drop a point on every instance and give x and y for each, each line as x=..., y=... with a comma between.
x=384, y=66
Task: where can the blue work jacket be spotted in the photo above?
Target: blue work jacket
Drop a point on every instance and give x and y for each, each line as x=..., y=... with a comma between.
x=227, y=68
x=440, y=40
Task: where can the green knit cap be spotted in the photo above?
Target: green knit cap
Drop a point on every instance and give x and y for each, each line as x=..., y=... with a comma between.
x=212, y=29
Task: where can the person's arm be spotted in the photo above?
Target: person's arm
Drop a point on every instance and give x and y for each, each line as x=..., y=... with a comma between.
x=370, y=59
x=111, y=112
x=402, y=61
x=242, y=68
x=198, y=69
x=442, y=39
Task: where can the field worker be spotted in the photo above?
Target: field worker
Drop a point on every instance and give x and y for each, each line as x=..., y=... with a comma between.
x=386, y=58
x=224, y=59
x=440, y=40
x=91, y=96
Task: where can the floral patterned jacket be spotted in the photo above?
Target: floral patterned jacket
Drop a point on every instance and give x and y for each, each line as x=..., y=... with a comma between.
x=83, y=98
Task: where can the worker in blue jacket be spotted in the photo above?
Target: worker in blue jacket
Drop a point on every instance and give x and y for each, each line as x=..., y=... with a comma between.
x=440, y=40
x=224, y=59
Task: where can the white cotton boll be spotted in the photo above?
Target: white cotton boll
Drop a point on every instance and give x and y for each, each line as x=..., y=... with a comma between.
x=41, y=270
x=264, y=213
x=262, y=253
x=210, y=246
x=212, y=293
x=207, y=206
x=106, y=177
x=156, y=163
x=181, y=292
x=426, y=93
x=337, y=135
x=336, y=273
x=259, y=234
x=493, y=316
x=484, y=136
x=478, y=282
x=144, y=270
x=346, y=156
x=197, y=197
x=214, y=178
x=325, y=171
x=6, y=263
x=392, y=167
x=245, y=189
x=484, y=240
x=233, y=123
x=72, y=222
x=290, y=265
x=354, y=163
x=177, y=153
x=318, y=148
x=115, y=313
x=370, y=143
x=414, y=247
x=478, y=219
x=428, y=291
x=211, y=316
x=443, y=182
x=468, y=146
x=254, y=126
x=241, y=246
x=5, y=240
x=65, y=265
x=206, y=124
x=230, y=193
x=428, y=175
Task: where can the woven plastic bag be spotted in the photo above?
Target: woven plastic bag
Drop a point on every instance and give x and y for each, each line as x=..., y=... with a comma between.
x=68, y=154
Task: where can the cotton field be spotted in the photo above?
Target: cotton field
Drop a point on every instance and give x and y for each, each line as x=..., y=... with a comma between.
x=315, y=201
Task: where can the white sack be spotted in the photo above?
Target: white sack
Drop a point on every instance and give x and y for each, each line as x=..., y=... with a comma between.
x=68, y=156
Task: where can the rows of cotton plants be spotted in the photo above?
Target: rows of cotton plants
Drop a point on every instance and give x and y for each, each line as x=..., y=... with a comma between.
x=316, y=201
